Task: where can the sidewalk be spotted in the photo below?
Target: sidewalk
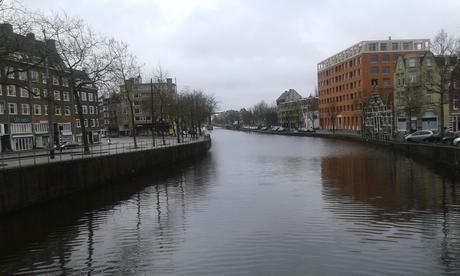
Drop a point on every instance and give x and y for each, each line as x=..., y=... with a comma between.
x=116, y=146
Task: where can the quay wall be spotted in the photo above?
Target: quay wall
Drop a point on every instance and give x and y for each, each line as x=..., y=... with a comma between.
x=26, y=186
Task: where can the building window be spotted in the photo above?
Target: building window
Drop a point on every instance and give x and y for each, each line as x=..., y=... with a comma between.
x=2, y=108
x=12, y=108
x=9, y=72
x=374, y=69
x=374, y=82
x=57, y=110
x=429, y=77
x=45, y=93
x=372, y=47
x=429, y=62
x=37, y=109
x=455, y=104
x=90, y=97
x=65, y=96
x=86, y=122
x=385, y=57
x=44, y=78
x=407, y=46
x=83, y=96
x=36, y=93
x=22, y=75
x=386, y=69
x=34, y=76
x=45, y=110
x=383, y=46
x=11, y=90
x=374, y=58
x=93, y=123
x=77, y=123
x=84, y=109
x=55, y=80
x=57, y=95
x=76, y=109
x=23, y=93
x=91, y=109
x=395, y=57
x=67, y=110
x=386, y=82
x=412, y=77
x=412, y=62
x=394, y=46
x=65, y=82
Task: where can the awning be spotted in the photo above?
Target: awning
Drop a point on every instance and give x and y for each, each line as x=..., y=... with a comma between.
x=21, y=135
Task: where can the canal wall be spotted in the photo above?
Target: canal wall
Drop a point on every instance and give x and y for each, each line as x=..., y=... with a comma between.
x=440, y=155
x=26, y=186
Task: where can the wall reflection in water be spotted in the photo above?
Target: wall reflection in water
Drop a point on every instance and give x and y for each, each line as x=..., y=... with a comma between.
x=388, y=198
x=116, y=229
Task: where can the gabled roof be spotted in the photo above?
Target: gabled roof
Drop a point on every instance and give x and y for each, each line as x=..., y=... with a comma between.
x=288, y=95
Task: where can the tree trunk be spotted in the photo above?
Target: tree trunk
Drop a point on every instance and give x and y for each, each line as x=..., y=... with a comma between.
x=82, y=119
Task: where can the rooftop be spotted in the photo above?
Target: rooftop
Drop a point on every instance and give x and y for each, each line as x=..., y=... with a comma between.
x=372, y=46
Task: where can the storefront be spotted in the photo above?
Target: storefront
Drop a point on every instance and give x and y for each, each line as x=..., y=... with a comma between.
x=22, y=142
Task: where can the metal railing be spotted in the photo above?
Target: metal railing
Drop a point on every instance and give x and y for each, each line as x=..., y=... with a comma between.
x=34, y=157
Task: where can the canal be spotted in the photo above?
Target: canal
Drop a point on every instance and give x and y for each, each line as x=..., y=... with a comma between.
x=256, y=204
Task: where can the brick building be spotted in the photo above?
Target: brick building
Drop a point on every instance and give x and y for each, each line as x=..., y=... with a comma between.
x=345, y=80
x=24, y=95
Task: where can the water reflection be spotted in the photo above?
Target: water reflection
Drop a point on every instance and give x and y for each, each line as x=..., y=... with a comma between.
x=115, y=229
x=390, y=198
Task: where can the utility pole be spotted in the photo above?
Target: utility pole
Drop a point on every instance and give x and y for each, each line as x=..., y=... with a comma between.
x=151, y=112
x=50, y=101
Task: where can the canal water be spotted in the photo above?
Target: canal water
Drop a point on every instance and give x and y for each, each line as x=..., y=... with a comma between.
x=257, y=204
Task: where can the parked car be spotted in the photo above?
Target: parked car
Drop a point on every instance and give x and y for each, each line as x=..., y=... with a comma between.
x=436, y=137
x=456, y=141
x=280, y=129
x=419, y=136
x=450, y=137
x=65, y=146
x=304, y=129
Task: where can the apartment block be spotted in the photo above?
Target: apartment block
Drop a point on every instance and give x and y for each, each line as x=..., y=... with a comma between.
x=25, y=94
x=149, y=100
x=346, y=79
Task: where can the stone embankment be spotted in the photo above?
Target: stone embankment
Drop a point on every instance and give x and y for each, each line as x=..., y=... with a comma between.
x=21, y=187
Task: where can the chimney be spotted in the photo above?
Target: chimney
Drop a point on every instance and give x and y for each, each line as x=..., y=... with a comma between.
x=6, y=28
x=389, y=38
x=51, y=44
x=30, y=36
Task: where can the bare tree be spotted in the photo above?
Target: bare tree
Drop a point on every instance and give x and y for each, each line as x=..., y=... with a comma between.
x=446, y=48
x=124, y=70
x=411, y=103
x=86, y=57
x=332, y=112
x=312, y=110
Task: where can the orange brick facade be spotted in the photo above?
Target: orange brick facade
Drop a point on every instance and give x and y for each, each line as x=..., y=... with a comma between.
x=345, y=84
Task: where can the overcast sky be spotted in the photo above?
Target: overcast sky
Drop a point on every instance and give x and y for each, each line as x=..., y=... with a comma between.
x=243, y=52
